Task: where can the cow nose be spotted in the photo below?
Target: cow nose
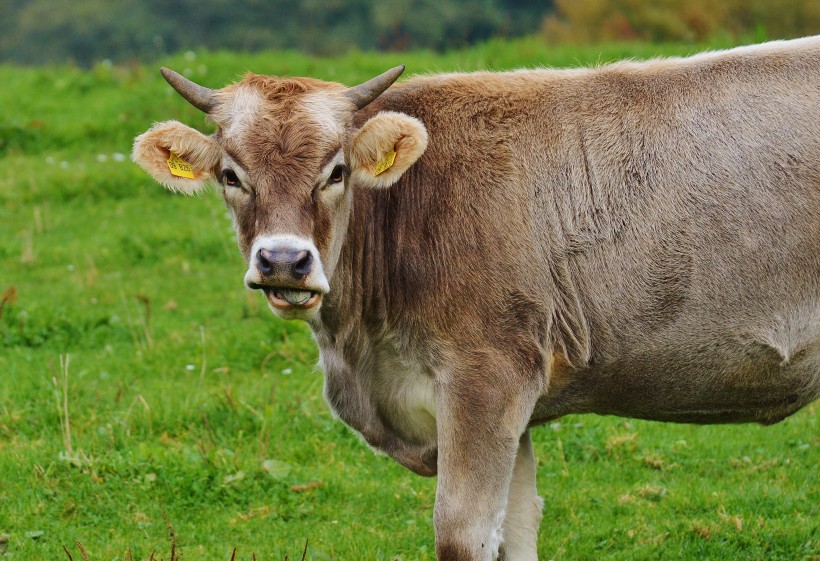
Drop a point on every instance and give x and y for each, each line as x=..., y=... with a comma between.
x=296, y=263
x=303, y=265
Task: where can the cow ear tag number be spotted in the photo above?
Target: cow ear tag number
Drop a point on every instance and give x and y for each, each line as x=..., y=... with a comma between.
x=180, y=167
x=386, y=163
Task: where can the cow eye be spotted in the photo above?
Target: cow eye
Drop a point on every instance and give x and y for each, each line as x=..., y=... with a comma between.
x=337, y=174
x=229, y=178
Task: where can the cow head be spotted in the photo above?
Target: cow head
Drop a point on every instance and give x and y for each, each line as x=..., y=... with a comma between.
x=286, y=159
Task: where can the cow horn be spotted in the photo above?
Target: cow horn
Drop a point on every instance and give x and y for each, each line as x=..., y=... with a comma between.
x=199, y=96
x=363, y=94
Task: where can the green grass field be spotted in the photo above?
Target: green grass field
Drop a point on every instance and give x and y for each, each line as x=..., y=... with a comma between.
x=141, y=385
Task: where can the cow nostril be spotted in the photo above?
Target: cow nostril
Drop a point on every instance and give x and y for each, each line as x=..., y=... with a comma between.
x=264, y=261
x=302, y=264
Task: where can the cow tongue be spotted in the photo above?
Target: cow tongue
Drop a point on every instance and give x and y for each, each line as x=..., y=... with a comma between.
x=296, y=297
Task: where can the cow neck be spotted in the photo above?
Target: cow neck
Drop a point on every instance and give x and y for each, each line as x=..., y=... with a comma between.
x=358, y=295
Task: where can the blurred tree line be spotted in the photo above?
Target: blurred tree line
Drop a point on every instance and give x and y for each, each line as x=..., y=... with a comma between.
x=85, y=31
x=585, y=21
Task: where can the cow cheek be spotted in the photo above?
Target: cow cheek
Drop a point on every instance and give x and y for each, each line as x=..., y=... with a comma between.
x=322, y=228
x=244, y=220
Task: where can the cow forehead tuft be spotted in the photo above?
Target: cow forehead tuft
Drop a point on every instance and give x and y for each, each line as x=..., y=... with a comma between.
x=276, y=104
x=331, y=111
x=238, y=108
x=274, y=88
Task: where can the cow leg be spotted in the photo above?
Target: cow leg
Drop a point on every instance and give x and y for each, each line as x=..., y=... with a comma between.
x=523, y=508
x=479, y=424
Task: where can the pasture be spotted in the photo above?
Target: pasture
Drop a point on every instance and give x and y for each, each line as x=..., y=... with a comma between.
x=141, y=385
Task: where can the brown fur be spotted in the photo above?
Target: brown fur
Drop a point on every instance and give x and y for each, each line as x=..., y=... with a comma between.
x=641, y=239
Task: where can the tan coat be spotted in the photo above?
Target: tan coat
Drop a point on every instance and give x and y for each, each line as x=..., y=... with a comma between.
x=640, y=239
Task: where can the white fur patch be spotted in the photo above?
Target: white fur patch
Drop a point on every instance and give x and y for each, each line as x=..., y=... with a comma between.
x=523, y=508
x=238, y=110
x=496, y=535
x=406, y=392
x=329, y=110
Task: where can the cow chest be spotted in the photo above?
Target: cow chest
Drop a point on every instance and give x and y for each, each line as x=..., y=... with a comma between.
x=380, y=392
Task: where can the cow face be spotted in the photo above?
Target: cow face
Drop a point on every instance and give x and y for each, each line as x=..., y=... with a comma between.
x=286, y=161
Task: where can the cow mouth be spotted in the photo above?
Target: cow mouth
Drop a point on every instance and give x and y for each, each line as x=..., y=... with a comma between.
x=289, y=298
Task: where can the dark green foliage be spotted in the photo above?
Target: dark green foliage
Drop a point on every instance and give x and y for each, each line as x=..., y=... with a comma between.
x=88, y=31
x=85, y=31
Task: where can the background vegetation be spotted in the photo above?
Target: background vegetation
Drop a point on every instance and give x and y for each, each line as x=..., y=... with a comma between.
x=141, y=385
x=92, y=30
x=87, y=31
x=680, y=20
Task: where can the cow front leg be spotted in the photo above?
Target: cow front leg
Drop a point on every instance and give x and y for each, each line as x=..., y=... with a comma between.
x=523, y=508
x=480, y=424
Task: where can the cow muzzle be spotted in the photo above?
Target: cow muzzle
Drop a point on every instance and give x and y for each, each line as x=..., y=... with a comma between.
x=289, y=271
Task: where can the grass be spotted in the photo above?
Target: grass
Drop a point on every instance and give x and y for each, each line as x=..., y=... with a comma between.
x=141, y=385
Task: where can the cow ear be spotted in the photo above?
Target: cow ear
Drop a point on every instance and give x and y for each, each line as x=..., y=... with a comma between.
x=382, y=150
x=179, y=157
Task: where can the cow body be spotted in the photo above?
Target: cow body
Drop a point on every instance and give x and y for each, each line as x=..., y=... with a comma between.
x=641, y=239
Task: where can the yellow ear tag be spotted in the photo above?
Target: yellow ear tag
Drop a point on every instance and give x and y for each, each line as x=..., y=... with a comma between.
x=386, y=163
x=180, y=167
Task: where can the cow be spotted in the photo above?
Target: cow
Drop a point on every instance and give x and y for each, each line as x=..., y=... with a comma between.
x=480, y=253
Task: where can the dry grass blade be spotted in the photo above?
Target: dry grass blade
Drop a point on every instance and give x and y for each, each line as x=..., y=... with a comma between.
x=129, y=554
x=9, y=297
x=175, y=556
x=65, y=361
x=146, y=323
x=173, y=543
x=82, y=550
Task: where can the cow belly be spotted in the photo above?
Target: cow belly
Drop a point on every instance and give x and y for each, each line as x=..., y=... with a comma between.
x=757, y=387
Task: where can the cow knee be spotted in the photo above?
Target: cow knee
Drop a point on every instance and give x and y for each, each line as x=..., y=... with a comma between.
x=462, y=536
x=458, y=548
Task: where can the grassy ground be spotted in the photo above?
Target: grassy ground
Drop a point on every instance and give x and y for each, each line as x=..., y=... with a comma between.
x=141, y=385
